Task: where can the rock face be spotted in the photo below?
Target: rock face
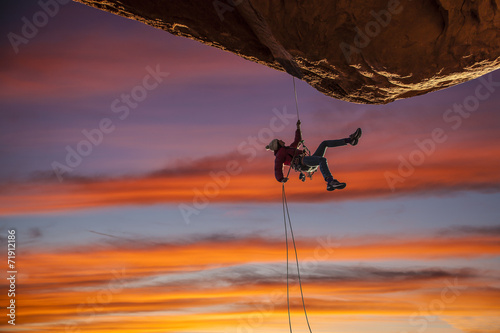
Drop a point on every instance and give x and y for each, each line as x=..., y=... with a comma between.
x=359, y=51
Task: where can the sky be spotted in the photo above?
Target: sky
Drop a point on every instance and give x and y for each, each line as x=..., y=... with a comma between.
x=134, y=173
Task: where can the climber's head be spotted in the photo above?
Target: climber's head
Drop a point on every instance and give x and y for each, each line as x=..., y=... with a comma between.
x=275, y=144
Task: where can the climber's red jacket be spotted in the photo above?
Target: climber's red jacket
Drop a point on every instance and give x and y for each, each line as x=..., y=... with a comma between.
x=285, y=154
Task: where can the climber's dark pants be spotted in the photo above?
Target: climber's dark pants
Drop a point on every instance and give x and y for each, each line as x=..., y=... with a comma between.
x=318, y=159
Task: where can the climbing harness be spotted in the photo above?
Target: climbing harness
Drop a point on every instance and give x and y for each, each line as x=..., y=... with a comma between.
x=286, y=215
x=299, y=166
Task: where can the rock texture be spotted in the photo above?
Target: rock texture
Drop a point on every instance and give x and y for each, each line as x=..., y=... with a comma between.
x=360, y=51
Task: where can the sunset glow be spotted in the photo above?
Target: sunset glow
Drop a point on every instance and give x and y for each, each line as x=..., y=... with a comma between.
x=162, y=214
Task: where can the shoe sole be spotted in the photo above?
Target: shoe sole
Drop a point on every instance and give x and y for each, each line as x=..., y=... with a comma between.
x=340, y=187
x=356, y=137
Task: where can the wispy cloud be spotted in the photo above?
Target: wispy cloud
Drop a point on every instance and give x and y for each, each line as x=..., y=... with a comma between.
x=449, y=172
x=217, y=280
x=470, y=230
x=91, y=62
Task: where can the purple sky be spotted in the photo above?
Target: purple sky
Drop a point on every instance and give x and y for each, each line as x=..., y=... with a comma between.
x=66, y=79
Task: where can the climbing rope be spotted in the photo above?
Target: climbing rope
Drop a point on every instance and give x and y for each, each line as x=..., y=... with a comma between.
x=283, y=199
x=296, y=103
x=298, y=118
x=286, y=214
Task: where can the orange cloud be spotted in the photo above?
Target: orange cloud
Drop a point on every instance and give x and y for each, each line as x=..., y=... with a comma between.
x=216, y=284
x=73, y=66
x=209, y=180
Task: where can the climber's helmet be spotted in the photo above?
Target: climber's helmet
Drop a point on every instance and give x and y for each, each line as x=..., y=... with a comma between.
x=275, y=144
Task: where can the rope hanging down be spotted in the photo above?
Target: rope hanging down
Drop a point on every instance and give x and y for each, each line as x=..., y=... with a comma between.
x=286, y=214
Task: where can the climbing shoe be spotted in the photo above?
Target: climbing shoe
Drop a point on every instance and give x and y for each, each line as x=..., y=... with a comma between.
x=354, y=137
x=334, y=184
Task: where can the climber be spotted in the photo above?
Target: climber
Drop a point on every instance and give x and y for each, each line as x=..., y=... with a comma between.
x=285, y=154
